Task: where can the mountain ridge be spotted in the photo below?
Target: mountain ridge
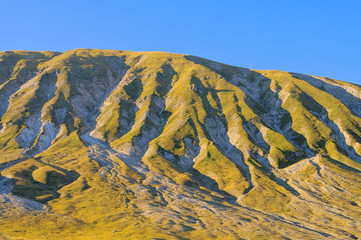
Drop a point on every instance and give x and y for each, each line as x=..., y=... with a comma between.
x=177, y=143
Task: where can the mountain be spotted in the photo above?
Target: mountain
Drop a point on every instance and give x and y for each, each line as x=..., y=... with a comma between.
x=103, y=144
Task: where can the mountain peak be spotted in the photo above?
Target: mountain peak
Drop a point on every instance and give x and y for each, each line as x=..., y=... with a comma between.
x=161, y=145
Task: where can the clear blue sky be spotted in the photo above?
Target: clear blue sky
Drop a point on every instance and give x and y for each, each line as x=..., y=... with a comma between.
x=307, y=36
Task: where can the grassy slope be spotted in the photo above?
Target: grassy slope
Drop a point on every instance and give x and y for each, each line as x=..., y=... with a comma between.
x=96, y=205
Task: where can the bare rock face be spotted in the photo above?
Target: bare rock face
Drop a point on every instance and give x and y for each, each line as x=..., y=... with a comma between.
x=121, y=145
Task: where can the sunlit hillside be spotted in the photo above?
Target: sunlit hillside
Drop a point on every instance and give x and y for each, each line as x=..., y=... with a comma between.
x=100, y=144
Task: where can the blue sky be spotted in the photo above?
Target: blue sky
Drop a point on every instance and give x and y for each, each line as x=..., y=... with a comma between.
x=310, y=36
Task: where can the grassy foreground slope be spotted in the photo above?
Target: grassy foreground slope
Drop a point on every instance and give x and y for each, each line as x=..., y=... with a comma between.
x=101, y=144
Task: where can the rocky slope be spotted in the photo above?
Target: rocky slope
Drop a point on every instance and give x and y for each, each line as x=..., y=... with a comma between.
x=99, y=144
